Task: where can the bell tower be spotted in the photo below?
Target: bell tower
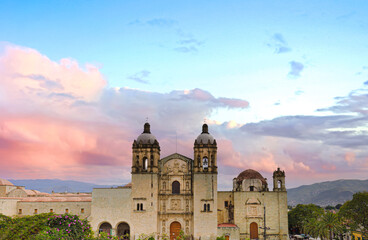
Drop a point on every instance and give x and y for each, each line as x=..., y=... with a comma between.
x=279, y=180
x=205, y=185
x=205, y=152
x=145, y=158
x=146, y=152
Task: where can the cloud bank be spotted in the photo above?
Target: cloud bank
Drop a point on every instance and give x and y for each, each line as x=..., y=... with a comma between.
x=60, y=120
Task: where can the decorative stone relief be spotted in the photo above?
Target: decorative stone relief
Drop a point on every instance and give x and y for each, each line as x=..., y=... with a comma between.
x=253, y=211
x=175, y=204
x=175, y=167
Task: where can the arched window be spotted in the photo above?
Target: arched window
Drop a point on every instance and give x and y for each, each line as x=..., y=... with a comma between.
x=205, y=207
x=141, y=206
x=164, y=185
x=145, y=163
x=175, y=187
x=208, y=207
x=251, y=188
x=279, y=184
x=137, y=206
x=187, y=186
x=205, y=163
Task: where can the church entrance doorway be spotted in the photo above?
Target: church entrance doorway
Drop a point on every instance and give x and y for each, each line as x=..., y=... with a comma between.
x=253, y=230
x=123, y=230
x=174, y=230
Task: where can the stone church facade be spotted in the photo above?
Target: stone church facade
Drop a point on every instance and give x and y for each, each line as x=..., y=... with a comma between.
x=170, y=195
x=176, y=193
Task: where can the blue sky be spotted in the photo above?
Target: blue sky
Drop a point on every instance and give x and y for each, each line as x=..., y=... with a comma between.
x=282, y=58
x=240, y=49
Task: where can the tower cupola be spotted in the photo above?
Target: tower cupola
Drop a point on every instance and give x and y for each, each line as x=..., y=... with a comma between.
x=205, y=152
x=146, y=152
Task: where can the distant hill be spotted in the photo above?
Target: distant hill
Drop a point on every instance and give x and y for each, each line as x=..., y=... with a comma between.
x=322, y=194
x=56, y=185
x=326, y=193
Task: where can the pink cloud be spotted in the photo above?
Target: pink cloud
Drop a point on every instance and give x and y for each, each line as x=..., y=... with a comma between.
x=60, y=120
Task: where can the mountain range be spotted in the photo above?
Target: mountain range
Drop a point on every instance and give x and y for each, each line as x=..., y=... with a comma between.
x=326, y=193
x=322, y=194
x=57, y=185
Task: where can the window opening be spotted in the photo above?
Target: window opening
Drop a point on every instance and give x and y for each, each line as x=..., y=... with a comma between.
x=82, y=210
x=251, y=188
x=35, y=211
x=51, y=210
x=205, y=163
x=175, y=187
x=66, y=210
x=145, y=163
x=19, y=211
x=226, y=203
x=208, y=207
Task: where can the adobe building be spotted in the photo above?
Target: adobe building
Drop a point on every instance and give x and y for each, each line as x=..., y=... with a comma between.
x=177, y=194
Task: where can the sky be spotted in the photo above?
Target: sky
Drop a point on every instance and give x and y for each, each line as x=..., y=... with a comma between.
x=280, y=84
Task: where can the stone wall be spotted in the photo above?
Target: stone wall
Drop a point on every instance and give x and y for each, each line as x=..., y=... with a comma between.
x=232, y=232
x=144, y=191
x=111, y=205
x=222, y=210
x=58, y=207
x=249, y=207
x=8, y=206
x=205, y=192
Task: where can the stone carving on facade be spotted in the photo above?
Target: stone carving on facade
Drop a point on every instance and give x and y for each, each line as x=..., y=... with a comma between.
x=174, y=167
x=175, y=204
x=253, y=207
x=252, y=211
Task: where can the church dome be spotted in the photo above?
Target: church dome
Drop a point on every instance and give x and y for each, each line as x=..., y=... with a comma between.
x=146, y=137
x=250, y=174
x=204, y=137
x=4, y=182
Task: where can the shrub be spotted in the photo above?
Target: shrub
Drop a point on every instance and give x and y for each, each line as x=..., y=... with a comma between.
x=23, y=228
x=71, y=225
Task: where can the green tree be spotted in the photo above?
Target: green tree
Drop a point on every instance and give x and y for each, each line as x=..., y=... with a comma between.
x=311, y=227
x=338, y=206
x=329, y=207
x=355, y=212
x=301, y=214
x=328, y=224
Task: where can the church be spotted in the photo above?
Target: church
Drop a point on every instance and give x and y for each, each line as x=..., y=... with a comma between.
x=176, y=193
x=170, y=196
